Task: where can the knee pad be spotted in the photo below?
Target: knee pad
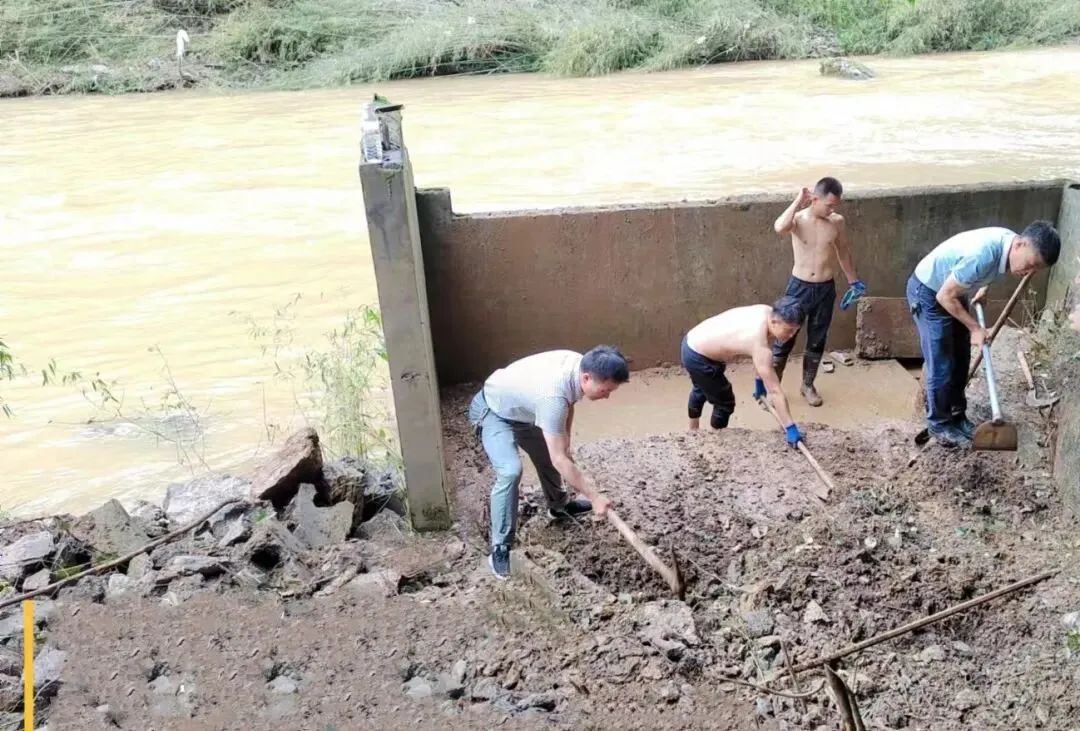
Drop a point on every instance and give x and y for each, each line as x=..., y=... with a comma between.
x=719, y=419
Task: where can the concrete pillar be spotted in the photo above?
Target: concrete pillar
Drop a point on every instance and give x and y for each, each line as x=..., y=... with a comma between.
x=1068, y=266
x=390, y=202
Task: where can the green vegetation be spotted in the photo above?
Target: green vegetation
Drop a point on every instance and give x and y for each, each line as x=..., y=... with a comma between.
x=127, y=45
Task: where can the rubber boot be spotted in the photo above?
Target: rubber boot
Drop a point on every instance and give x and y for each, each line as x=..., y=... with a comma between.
x=811, y=363
x=779, y=363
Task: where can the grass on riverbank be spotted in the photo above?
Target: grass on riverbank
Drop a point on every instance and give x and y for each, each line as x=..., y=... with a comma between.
x=126, y=45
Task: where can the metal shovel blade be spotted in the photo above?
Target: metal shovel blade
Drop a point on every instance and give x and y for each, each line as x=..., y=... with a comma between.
x=989, y=436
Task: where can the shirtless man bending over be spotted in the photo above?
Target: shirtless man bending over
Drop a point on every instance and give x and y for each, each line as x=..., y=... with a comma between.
x=817, y=231
x=739, y=333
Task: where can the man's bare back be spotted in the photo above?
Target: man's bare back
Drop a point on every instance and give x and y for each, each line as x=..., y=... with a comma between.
x=734, y=334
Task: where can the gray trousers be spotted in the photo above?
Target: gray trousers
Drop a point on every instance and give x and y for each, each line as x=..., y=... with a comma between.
x=501, y=439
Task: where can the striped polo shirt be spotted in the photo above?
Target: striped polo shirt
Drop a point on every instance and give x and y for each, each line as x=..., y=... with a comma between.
x=538, y=389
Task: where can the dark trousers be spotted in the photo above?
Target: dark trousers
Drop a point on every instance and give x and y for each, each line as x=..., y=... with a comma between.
x=817, y=300
x=946, y=347
x=708, y=384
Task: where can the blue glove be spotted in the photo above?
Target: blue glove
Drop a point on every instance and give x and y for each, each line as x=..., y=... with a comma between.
x=793, y=435
x=855, y=291
x=759, y=389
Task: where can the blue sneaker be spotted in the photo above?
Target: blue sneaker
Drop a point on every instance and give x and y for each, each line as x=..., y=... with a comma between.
x=499, y=561
x=964, y=425
x=572, y=509
x=950, y=436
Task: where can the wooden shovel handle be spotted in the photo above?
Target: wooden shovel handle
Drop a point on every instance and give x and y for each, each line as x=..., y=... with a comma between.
x=1001, y=321
x=821, y=473
x=670, y=575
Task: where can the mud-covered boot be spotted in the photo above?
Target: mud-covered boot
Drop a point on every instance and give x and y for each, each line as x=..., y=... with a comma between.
x=779, y=363
x=811, y=363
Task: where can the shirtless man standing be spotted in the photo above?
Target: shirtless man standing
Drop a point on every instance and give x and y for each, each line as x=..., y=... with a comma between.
x=739, y=333
x=817, y=231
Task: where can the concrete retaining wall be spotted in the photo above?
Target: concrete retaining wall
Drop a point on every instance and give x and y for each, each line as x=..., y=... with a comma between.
x=1067, y=448
x=505, y=285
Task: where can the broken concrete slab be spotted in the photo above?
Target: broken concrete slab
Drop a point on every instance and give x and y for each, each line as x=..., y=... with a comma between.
x=299, y=461
x=138, y=566
x=188, y=501
x=884, y=327
x=378, y=584
x=207, y=566
x=110, y=530
x=118, y=586
x=48, y=668
x=319, y=527
x=668, y=626
x=25, y=555
x=38, y=580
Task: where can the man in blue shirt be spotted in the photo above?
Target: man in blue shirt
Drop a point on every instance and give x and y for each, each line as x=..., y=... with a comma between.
x=937, y=294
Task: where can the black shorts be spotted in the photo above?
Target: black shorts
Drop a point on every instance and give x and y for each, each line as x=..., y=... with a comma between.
x=708, y=384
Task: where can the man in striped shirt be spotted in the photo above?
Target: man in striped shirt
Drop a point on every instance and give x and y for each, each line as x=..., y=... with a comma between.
x=530, y=404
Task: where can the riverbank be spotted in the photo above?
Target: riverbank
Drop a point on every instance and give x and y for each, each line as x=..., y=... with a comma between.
x=314, y=606
x=71, y=46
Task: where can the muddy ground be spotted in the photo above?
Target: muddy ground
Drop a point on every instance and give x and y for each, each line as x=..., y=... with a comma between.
x=586, y=636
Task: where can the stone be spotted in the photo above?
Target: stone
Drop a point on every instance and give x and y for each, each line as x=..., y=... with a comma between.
x=769, y=641
x=38, y=580
x=933, y=653
x=764, y=707
x=186, y=502
x=283, y=685
x=759, y=623
x=207, y=566
x=845, y=68
x=486, y=690
x=318, y=527
x=459, y=671
x=539, y=701
x=109, y=530
x=418, y=688
x=1071, y=621
x=151, y=516
x=48, y=668
x=88, y=589
x=669, y=693
x=11, y=662
x=668, y=626
x=271, y=544
x=814, y=613
x=967, y=699
x=345, y=480
x=450, y=686
x=138, y=566
x=236, y=531
x=118, y=586
x=11, y=693
x=386, y=527
x=24, y=555
x=963, y=648
x=376, y=584
x=299, y=461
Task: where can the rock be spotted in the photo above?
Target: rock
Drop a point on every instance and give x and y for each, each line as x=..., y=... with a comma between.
x=933, y=653
x=11, y=626
x=271, y=544
x=151, y=516
x=11, y=662
x=36, y=581
x=896, y=540
x=450, y=686
x=48, y=667
x=418, y=688
x=870, y=542
x=207, y=566
x=299, y=461
x=486, y=690
x=814, y=613
x=182, y=589
x=88, y=589
x=382, y=583
x=11, y=694
x=668, y=626
x=1071, y=620
x=109, y=530
x=967, y=699
x=383, y=492
x=386, y=527
x=236, y=531
x=758, y=623
x=539, y=701
x=669, y=693
x=459, y=671
x=764, y=707
x=186, y=502
x=138, y=566
x=283, y=685
x=845, y=68
x=963, y=648
x=769, y=641
x=346, y=480
x=119, y=584
x=25, y=555
x=319, y=527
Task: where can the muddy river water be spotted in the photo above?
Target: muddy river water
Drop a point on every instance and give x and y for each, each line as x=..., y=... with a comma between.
x=141, y=235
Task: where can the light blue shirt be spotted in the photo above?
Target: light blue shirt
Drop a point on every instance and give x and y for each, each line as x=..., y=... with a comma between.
x=976, y=258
